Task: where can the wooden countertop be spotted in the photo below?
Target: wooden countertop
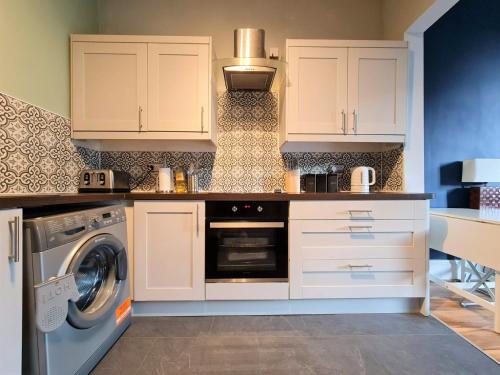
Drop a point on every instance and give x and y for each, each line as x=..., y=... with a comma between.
x=38, y=200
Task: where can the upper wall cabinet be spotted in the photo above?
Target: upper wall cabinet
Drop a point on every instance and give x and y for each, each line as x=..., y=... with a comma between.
x=110, y=85
x=178, y=87
x=318, y=95
x=377, y=90
x=142, y=88
x=344, y=91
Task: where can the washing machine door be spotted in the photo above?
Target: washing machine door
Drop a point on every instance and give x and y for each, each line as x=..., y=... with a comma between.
x=100, y=270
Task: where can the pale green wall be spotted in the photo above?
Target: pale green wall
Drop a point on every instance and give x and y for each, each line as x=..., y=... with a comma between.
x=34, y=48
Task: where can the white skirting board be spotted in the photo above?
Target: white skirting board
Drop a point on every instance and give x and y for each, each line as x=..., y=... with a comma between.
x=286, y=307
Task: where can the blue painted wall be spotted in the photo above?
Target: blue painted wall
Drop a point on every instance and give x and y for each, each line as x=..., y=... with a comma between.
x=462, y=96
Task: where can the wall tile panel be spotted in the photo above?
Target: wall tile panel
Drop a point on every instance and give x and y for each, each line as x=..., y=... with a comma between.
x=37, y=155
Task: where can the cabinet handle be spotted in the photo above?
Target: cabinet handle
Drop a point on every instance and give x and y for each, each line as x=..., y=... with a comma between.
x=359, y=265
x=202, y=125
x=14, y=251
x=354, y=122
x=248, y=225
x=140, y=118
x=367, y=227
x=344, y=125
x=197, y=221
x=360, y=211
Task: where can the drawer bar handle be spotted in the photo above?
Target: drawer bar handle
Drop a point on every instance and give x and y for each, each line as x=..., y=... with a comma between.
x=360, y=266
x=14, y=254
x=360, y=211
x=367, y=227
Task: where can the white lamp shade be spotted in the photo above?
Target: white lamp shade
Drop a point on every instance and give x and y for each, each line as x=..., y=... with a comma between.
x=481, y=170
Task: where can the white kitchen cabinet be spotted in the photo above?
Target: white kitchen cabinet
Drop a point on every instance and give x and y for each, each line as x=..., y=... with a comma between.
x=344, y=91
x=352, y=249
x=109, y=86
x=317, y=98
x=377, y=90
x=130, y=87
x=11, y=293
x=178, y=87
x=169, y=256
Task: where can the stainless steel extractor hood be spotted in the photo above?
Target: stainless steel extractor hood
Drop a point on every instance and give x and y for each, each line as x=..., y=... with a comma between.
x=249, y=70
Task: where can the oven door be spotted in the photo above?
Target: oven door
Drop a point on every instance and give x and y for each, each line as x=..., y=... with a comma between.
x=245, y=251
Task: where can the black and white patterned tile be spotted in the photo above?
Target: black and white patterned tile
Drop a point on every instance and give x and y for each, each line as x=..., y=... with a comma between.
x=322, y=162
x=247, y=157
x=392, y=170
x=36, y=153
x=137, y=163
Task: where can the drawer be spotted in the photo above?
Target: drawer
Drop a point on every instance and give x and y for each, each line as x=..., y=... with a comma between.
x=246, y=291
x=351, y=239
x=353, y=266
x=360, y=278
x=367, y=278
x=352, y=210
x=356, y=226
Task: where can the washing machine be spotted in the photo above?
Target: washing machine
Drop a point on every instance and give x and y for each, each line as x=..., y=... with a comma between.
x=92, y=244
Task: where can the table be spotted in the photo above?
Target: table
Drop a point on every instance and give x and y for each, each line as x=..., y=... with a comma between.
x=473, y=235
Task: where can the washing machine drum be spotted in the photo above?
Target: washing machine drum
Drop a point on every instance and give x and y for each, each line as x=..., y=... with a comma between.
x=100, y=270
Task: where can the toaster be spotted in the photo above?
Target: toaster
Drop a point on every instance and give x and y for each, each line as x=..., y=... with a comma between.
x=103, y=181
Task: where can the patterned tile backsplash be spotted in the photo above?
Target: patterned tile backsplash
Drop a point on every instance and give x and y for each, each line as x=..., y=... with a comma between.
x=37, y=155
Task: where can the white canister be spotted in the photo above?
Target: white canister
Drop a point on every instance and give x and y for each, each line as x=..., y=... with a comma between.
x=292, y=181
x=164, y=180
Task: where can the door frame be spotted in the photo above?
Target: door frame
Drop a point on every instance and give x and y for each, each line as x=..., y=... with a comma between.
x=414, y=145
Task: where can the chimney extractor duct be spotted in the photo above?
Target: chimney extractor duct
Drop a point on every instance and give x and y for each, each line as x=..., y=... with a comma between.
x=249, y=43
x=249, y=70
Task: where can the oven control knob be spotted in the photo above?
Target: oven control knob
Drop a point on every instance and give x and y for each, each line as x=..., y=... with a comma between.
x=260, y=209
x=234, y=209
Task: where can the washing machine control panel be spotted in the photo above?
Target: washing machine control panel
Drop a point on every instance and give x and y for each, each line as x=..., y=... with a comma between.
x=65, y=228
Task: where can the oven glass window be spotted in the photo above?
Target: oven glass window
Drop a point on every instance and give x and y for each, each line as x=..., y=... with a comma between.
x=246, y=250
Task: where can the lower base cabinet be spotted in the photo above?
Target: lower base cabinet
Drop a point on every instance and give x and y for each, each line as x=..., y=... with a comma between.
x=337, y=249
x=11, y=290
x=169, y=254
x=358, y=250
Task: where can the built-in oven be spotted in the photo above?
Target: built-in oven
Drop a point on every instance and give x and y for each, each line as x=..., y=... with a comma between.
x=246, y=241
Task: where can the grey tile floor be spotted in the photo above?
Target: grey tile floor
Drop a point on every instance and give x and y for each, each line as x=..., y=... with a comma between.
x=293, y=345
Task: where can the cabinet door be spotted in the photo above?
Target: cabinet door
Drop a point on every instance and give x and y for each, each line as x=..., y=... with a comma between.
x=378, y=79
x=11, y=290
x=317, y=91
x=178, y=91
x=169, y=256
x=109, y=86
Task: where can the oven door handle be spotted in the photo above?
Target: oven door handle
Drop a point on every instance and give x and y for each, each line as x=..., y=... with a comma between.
x=247, y=224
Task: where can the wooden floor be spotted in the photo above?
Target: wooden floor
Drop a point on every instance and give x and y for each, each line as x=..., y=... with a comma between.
x=474, y=323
